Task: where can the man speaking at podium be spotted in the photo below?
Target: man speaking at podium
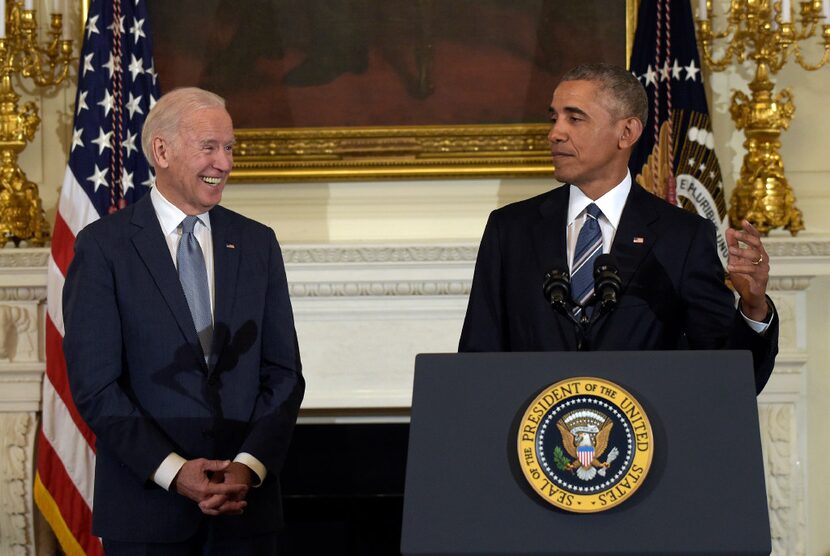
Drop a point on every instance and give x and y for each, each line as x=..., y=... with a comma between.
x=659, y=281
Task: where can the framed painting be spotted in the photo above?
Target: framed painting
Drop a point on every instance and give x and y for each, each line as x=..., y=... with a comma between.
x=361, y=89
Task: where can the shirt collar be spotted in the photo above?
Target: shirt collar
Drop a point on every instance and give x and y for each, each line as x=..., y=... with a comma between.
x=611, y=204
x=169, y=215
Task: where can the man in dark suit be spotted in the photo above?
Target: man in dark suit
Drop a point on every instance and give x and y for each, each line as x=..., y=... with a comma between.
x=673, y=293
x=181, y=351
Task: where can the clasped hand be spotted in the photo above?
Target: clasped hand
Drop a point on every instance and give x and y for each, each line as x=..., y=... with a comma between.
x=218, y=486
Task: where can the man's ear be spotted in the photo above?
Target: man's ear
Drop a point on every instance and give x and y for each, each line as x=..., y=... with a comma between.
x=630, y=132
x=161, y=152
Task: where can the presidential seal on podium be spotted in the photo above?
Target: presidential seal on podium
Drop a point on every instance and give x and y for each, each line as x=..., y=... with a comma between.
x=585, y=444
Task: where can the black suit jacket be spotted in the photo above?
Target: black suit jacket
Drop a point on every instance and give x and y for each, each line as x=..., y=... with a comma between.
x=673, y=290
x=139, y=378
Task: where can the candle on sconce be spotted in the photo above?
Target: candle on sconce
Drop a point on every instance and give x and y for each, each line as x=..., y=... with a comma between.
x=2, y=19
x=702, y=12
x=29, y=4
x=825, y=11
x=785, y=11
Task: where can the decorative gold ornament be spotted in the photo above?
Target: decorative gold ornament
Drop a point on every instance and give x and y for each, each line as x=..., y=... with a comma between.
x=47, y=64
x=762, y=31
x=657, y=171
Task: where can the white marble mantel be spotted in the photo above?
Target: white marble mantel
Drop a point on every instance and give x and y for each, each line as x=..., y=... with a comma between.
x=364, y=311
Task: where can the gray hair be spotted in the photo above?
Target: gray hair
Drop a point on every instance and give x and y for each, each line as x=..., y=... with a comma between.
x=627, y=96
x=165, y=118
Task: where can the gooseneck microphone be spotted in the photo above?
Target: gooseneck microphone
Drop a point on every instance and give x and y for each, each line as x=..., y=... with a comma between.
x=607, y=287
x=557, y=289
x=607, y=283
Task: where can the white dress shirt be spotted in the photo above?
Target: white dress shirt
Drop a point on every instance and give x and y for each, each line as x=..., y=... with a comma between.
x=170, y=218
x=612, y=204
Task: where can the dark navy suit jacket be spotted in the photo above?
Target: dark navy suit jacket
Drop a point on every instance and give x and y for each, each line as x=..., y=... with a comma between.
x=139, y=378
x=673, y=290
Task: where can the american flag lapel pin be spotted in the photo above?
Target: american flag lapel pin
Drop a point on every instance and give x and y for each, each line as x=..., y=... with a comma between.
x=230, y=246
x=639, y=240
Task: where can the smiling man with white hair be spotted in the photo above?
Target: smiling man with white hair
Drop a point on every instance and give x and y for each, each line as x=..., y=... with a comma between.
x=181, y=351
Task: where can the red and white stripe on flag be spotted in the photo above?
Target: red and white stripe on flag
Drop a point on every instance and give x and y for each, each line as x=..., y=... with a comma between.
x=117, y=86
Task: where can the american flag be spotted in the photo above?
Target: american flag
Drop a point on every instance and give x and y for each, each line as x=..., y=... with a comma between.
x=117, y=86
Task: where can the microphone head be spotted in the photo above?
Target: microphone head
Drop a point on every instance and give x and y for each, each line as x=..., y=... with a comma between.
x=607, y=281
x=557, y=285
x=605, y=267
x=606, y=260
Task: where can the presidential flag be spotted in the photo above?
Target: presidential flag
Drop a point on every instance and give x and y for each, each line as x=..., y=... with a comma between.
x=675, y=159
x=117, y=86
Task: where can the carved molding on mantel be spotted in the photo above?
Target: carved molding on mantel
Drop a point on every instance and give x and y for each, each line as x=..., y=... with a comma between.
x=804, y=246
x=351, y=254
x=380, y=288
x=785, y=492
x=788, y=283
x=23, y=258
x=22, y=310
x=17, y=434
x=778, y=247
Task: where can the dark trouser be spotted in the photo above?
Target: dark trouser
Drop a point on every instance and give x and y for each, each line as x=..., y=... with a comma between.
x=204, y=543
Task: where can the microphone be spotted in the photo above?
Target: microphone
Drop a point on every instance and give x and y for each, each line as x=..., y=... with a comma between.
x=557, y=288
x=607, y=282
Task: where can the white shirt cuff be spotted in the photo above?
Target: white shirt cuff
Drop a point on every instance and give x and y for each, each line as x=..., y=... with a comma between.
x=167, y=471
x=254, y=464
x=759, y=327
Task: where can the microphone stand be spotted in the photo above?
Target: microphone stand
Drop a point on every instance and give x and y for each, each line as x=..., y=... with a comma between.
x=607, y=284
x=557, y=290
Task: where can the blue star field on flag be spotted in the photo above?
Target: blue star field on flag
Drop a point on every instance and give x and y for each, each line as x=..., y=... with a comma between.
x=117, y=86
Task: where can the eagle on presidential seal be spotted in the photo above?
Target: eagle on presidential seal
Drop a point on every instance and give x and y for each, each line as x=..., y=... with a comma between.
x=585, y=434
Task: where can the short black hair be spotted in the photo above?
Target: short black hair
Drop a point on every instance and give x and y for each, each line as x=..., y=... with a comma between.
x=624, y=90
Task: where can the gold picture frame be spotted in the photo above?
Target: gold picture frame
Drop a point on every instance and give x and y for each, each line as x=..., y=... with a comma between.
x=391, y=152
x=397, y=152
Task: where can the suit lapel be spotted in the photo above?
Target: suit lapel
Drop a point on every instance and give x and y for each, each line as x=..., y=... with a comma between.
x=151, y=247
x=550, y=231
x=633, y=240
x=226, y=250
x=549, y=237
x=636, y=233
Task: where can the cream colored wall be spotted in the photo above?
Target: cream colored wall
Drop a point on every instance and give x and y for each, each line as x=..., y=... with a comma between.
x=806, y=154
x=457, y=209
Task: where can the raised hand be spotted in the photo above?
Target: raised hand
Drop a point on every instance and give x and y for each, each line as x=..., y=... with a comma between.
x=748, y=267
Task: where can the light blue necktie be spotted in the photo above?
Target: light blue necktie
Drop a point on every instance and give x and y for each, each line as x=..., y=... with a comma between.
x=588, y=248
x=193, y=276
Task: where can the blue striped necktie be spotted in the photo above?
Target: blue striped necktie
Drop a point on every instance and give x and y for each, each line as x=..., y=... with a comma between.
x=588, y=248
x=193, y=275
